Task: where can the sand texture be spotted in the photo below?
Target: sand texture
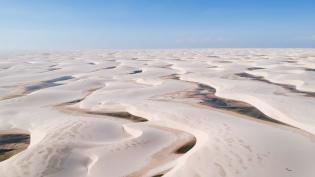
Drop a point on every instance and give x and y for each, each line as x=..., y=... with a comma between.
x=146, y=113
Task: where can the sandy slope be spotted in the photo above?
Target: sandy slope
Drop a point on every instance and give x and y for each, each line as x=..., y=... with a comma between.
x=135, y=113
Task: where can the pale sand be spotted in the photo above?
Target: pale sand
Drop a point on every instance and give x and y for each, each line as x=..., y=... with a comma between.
x=106, y=113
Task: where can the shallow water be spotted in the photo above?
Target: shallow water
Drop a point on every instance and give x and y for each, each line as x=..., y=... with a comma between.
x=285, y=86
x=11, y=144
x=47, y=84
x=136, y=72
x=209, y=98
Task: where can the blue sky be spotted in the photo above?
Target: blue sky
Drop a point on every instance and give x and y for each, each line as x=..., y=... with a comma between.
x=82, y=24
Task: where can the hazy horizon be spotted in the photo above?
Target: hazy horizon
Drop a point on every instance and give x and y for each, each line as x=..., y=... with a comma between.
x=144, y=24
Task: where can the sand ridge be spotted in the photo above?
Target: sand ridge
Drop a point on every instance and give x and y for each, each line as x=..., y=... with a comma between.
x=177, y=113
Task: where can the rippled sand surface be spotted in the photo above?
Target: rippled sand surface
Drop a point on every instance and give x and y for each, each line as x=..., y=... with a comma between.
x=145, y=113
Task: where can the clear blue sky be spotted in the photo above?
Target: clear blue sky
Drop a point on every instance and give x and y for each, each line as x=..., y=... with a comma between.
x=80, y=24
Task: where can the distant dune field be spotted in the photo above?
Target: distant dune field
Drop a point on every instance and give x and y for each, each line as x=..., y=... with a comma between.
x=150, y=113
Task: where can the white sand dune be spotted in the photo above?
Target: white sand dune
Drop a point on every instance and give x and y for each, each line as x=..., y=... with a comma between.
x=112, y=113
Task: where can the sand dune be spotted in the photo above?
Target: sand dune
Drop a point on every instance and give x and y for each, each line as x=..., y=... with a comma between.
x=176, y=113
